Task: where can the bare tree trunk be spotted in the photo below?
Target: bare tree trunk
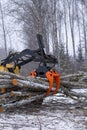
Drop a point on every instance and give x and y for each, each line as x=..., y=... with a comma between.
x=56, y=44
x=79, y=30
x=78, y=22
x=64, y=3
x=71, y=20
x=51, y=28
x=3, y=27
x=41, y=21
x=84, y=31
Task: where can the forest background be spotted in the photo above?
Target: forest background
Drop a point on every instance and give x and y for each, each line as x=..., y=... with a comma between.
x=62, y=23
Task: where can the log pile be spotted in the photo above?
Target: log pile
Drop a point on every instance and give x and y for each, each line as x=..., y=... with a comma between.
x=17, y=90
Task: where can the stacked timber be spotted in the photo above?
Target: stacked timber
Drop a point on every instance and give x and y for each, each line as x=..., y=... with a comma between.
x=17, y=90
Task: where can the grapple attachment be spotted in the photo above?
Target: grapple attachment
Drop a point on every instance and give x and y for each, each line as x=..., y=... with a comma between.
x=52, y=77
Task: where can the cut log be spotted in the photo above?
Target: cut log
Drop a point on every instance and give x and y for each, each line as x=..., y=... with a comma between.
x=1, y=109
x=22, y=102
x=71, y=85
x=72, y=76
x=5, y=81
x=12, y=75
x=33, y=84
x=76, y=96
x=17, y=90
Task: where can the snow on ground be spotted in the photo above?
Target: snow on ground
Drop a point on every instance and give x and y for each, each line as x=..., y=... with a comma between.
x=50, y=116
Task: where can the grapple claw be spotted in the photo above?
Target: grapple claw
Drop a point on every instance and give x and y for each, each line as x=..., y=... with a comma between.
x=51, y=76
x=50, y=79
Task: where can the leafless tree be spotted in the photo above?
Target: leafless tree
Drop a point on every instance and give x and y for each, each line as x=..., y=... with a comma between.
x=84, y=30
x=3, y=27
x=65, y=22
x=71, y=20
x=52, y=18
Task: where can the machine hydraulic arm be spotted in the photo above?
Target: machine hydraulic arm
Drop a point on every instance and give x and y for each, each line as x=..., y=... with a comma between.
x=14, y=61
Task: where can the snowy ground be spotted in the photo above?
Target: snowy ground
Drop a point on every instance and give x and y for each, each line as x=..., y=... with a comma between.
x=54, y=114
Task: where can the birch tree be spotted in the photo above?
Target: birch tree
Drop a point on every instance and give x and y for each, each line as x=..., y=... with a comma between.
x=65, y=22
x=3, y=27
x=55, y=33
x=84, y=31
x=71, y=20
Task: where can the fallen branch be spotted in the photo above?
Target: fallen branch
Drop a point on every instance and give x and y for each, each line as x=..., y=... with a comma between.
x=76, y=96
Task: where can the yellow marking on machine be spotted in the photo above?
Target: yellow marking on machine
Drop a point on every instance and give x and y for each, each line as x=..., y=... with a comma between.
x=9, y=66
x=2, y=68
x=16, y=70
